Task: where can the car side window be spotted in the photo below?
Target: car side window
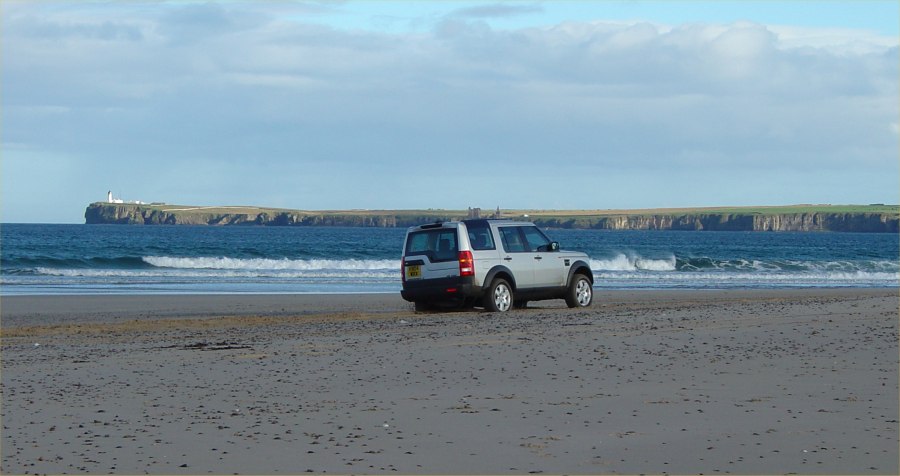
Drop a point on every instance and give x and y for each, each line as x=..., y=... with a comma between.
x=512, y=240
x=536, y=239
x=480, y=237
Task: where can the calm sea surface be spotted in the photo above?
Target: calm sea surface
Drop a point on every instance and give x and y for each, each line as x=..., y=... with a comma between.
x=118, y=259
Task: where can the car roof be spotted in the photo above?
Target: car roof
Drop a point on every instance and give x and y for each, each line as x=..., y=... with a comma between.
x=499, y=221
x=469, y=222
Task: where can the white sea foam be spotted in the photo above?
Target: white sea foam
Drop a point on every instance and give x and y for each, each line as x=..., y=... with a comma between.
x=714, y=279
x=365, y=279
x=269, y=264
x=632, y=262
x=220, y=273
x=622, y=270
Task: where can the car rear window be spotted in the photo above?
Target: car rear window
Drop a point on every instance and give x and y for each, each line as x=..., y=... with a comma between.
x=438, y=244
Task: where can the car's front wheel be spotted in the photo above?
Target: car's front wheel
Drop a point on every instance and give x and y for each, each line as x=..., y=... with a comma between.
x=580, y=292
x=499, y=297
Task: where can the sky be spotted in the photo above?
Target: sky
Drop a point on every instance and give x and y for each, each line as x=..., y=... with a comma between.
x=413, y=105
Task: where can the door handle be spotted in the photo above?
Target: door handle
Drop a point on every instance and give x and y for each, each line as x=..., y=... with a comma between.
x=508, y=258
x=538, y=257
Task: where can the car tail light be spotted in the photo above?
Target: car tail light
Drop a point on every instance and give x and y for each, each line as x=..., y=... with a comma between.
x=466, y=264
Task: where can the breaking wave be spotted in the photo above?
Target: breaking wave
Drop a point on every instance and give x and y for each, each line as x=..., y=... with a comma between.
x=637, y=279
x=270, y=264
x=202, y=273
x=632, y=262
x=619, y=270
x=215, y=268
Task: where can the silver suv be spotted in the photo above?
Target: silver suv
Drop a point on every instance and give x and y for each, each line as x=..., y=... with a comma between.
x=498, y=264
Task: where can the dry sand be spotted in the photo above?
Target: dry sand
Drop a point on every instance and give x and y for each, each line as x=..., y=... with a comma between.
x=800, y=381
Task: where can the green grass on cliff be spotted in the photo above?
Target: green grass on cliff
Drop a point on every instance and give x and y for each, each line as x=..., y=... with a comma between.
x=863, y=218
x=762, y=210
x=557, y=214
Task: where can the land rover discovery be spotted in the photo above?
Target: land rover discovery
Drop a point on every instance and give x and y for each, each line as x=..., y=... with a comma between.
x=497, y=264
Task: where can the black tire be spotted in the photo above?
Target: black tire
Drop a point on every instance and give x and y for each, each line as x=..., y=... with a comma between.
x=580, y=292
x=499, y=297
x=423, y=306
x=520, y=304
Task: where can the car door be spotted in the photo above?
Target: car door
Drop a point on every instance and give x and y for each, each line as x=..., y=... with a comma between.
x=431, y=254
x=549, y=270
x=516, y=256
x=483, y=245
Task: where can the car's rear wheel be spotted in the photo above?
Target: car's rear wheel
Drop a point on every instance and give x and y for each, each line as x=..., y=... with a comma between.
x=499, y=297
x=423, y=306
x=580, y=292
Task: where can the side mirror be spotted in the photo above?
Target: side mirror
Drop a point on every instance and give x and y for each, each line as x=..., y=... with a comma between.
x=554, y=246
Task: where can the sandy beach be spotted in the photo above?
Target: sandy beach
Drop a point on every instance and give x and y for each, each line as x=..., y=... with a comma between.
x=697, y=382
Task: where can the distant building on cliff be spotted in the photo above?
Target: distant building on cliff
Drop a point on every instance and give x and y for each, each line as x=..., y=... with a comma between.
x=110, y=199
x=476, y=213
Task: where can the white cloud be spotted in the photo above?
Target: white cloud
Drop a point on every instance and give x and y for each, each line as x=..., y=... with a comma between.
x=835, y=40
x=495, y=10
x=236, y=84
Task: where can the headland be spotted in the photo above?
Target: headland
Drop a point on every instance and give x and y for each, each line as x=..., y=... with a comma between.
x=874, y=218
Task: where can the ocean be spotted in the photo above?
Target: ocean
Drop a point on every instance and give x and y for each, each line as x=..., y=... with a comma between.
x=118, y=259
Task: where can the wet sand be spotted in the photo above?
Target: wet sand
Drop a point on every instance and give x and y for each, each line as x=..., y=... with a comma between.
x=712, y=382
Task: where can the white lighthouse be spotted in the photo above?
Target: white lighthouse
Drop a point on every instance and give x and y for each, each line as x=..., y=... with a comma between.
x=110, y=199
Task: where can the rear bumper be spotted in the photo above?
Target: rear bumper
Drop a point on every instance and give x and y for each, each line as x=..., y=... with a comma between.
x=440, y=289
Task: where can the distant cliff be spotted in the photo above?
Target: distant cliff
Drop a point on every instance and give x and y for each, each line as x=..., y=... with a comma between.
x=130, y=214
x=815, y=221
x=870, y=219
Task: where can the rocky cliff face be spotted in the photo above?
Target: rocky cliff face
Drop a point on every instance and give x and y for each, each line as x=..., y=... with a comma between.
x=104, y=213
x=846, y=222
x=128, y=214
x=850, y=222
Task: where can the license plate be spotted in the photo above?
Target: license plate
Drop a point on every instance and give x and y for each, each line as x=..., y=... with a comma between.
x=413, y=272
